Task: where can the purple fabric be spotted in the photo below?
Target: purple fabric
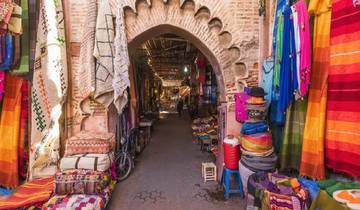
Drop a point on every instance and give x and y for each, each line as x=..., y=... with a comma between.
x=240, y=106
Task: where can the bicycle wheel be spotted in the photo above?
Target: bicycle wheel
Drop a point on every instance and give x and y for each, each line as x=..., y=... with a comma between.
x=125, y=165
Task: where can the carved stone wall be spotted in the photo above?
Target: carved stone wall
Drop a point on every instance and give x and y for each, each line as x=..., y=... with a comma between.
x=226, y=31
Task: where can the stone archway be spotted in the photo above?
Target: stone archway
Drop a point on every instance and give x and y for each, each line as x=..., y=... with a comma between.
x=196, y=22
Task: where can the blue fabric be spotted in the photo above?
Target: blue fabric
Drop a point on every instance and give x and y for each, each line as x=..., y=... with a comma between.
x=254, y=128
x=276, y=115
x=204, y=138
x=5, y=192
x=311, y=186
x=288, y=65
x=8, y=59
x=267, y=79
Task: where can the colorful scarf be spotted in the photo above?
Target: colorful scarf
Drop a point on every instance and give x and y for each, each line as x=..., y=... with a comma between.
x=10, y=132
x=34, y=193
x=49, y=89
x=342, y=146
x=290, y=153
x=121, y=79
x=23, y=67
x=312, y=157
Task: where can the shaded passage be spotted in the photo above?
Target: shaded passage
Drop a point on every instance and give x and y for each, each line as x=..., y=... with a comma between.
x=167, y=175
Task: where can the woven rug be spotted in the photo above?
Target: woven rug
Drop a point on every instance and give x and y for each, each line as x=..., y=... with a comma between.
x=49, y=90
x=342, y=145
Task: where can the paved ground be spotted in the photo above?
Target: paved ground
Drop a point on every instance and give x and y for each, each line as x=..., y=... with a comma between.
x=168, y=175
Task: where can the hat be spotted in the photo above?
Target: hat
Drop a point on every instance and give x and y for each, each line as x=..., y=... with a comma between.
x=257, y=92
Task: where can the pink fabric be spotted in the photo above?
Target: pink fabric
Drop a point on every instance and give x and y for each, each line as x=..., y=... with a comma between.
x=2, y=85
x=240, y=106
x=305, y=46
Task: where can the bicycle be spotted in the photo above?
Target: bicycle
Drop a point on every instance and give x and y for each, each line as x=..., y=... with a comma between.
x=125, y=157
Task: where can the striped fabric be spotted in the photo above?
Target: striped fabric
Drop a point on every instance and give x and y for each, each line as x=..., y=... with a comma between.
x=342, y=148
x=290, y=153
x=34, y=193
x=23, y=138
x=9, y=132
x=312, y=158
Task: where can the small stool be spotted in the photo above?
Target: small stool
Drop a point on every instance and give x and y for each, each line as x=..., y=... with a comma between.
x=226, y=182
x=208, y=171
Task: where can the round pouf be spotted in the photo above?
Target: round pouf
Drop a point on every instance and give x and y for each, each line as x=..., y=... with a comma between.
x=231, y=152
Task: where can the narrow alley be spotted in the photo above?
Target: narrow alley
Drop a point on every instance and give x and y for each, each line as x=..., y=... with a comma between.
x=167, y=175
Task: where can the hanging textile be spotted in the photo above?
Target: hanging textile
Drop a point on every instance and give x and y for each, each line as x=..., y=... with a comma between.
x=9, y=132
x=312, y=158
x=2, y=87
x=342, y=145
x=86, y=81
x=49, y=89
x=23, y=66
x=304, y=54
x=14, y=25
x=288, y=75
x=23, y=153
x=267, y=75
x=121, y=79
x=8, y=52
x=290, y=153
x=104, y=53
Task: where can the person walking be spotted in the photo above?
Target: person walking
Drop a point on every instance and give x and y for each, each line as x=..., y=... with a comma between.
x=179, y=107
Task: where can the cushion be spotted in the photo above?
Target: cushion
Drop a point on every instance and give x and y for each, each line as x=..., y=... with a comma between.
x=89, y=142
x=97, y=162
x=81, y=181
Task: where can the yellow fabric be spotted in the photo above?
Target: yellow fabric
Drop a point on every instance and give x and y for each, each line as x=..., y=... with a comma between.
x=312, y=160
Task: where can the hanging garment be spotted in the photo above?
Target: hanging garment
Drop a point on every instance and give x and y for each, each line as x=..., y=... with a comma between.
x=48, y=91
x=288, y=75
x=342, y=144
x=240, y=106
x=305, y=47
x=290, y=152
x=17, y=52
x=312, y=157
x=23, y=67
x=10, y=132
x=6, y=7
x=267, y=75
x=278, y=51
x=297, y=46
x=104, y=53
x=86, y=80
x=8, y=53
x=24, y=138
x=121, y=79
x=280, y=6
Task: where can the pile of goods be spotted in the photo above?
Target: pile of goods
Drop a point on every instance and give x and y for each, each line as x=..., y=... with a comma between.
x=275, y=191
x=85, y=179
x=256, y=140
x=205, y=131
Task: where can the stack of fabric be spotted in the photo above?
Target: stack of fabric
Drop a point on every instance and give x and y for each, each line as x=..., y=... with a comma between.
x=85, y=180
x=256, y=141
x=275, y=191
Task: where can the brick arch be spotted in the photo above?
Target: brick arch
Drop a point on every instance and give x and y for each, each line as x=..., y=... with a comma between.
x=145, y=19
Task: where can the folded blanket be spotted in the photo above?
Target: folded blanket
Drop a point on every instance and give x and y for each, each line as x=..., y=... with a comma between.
x=34, y=193
x=89, y=142
x=253, y=128
x=96, y=162
x=81, y=182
